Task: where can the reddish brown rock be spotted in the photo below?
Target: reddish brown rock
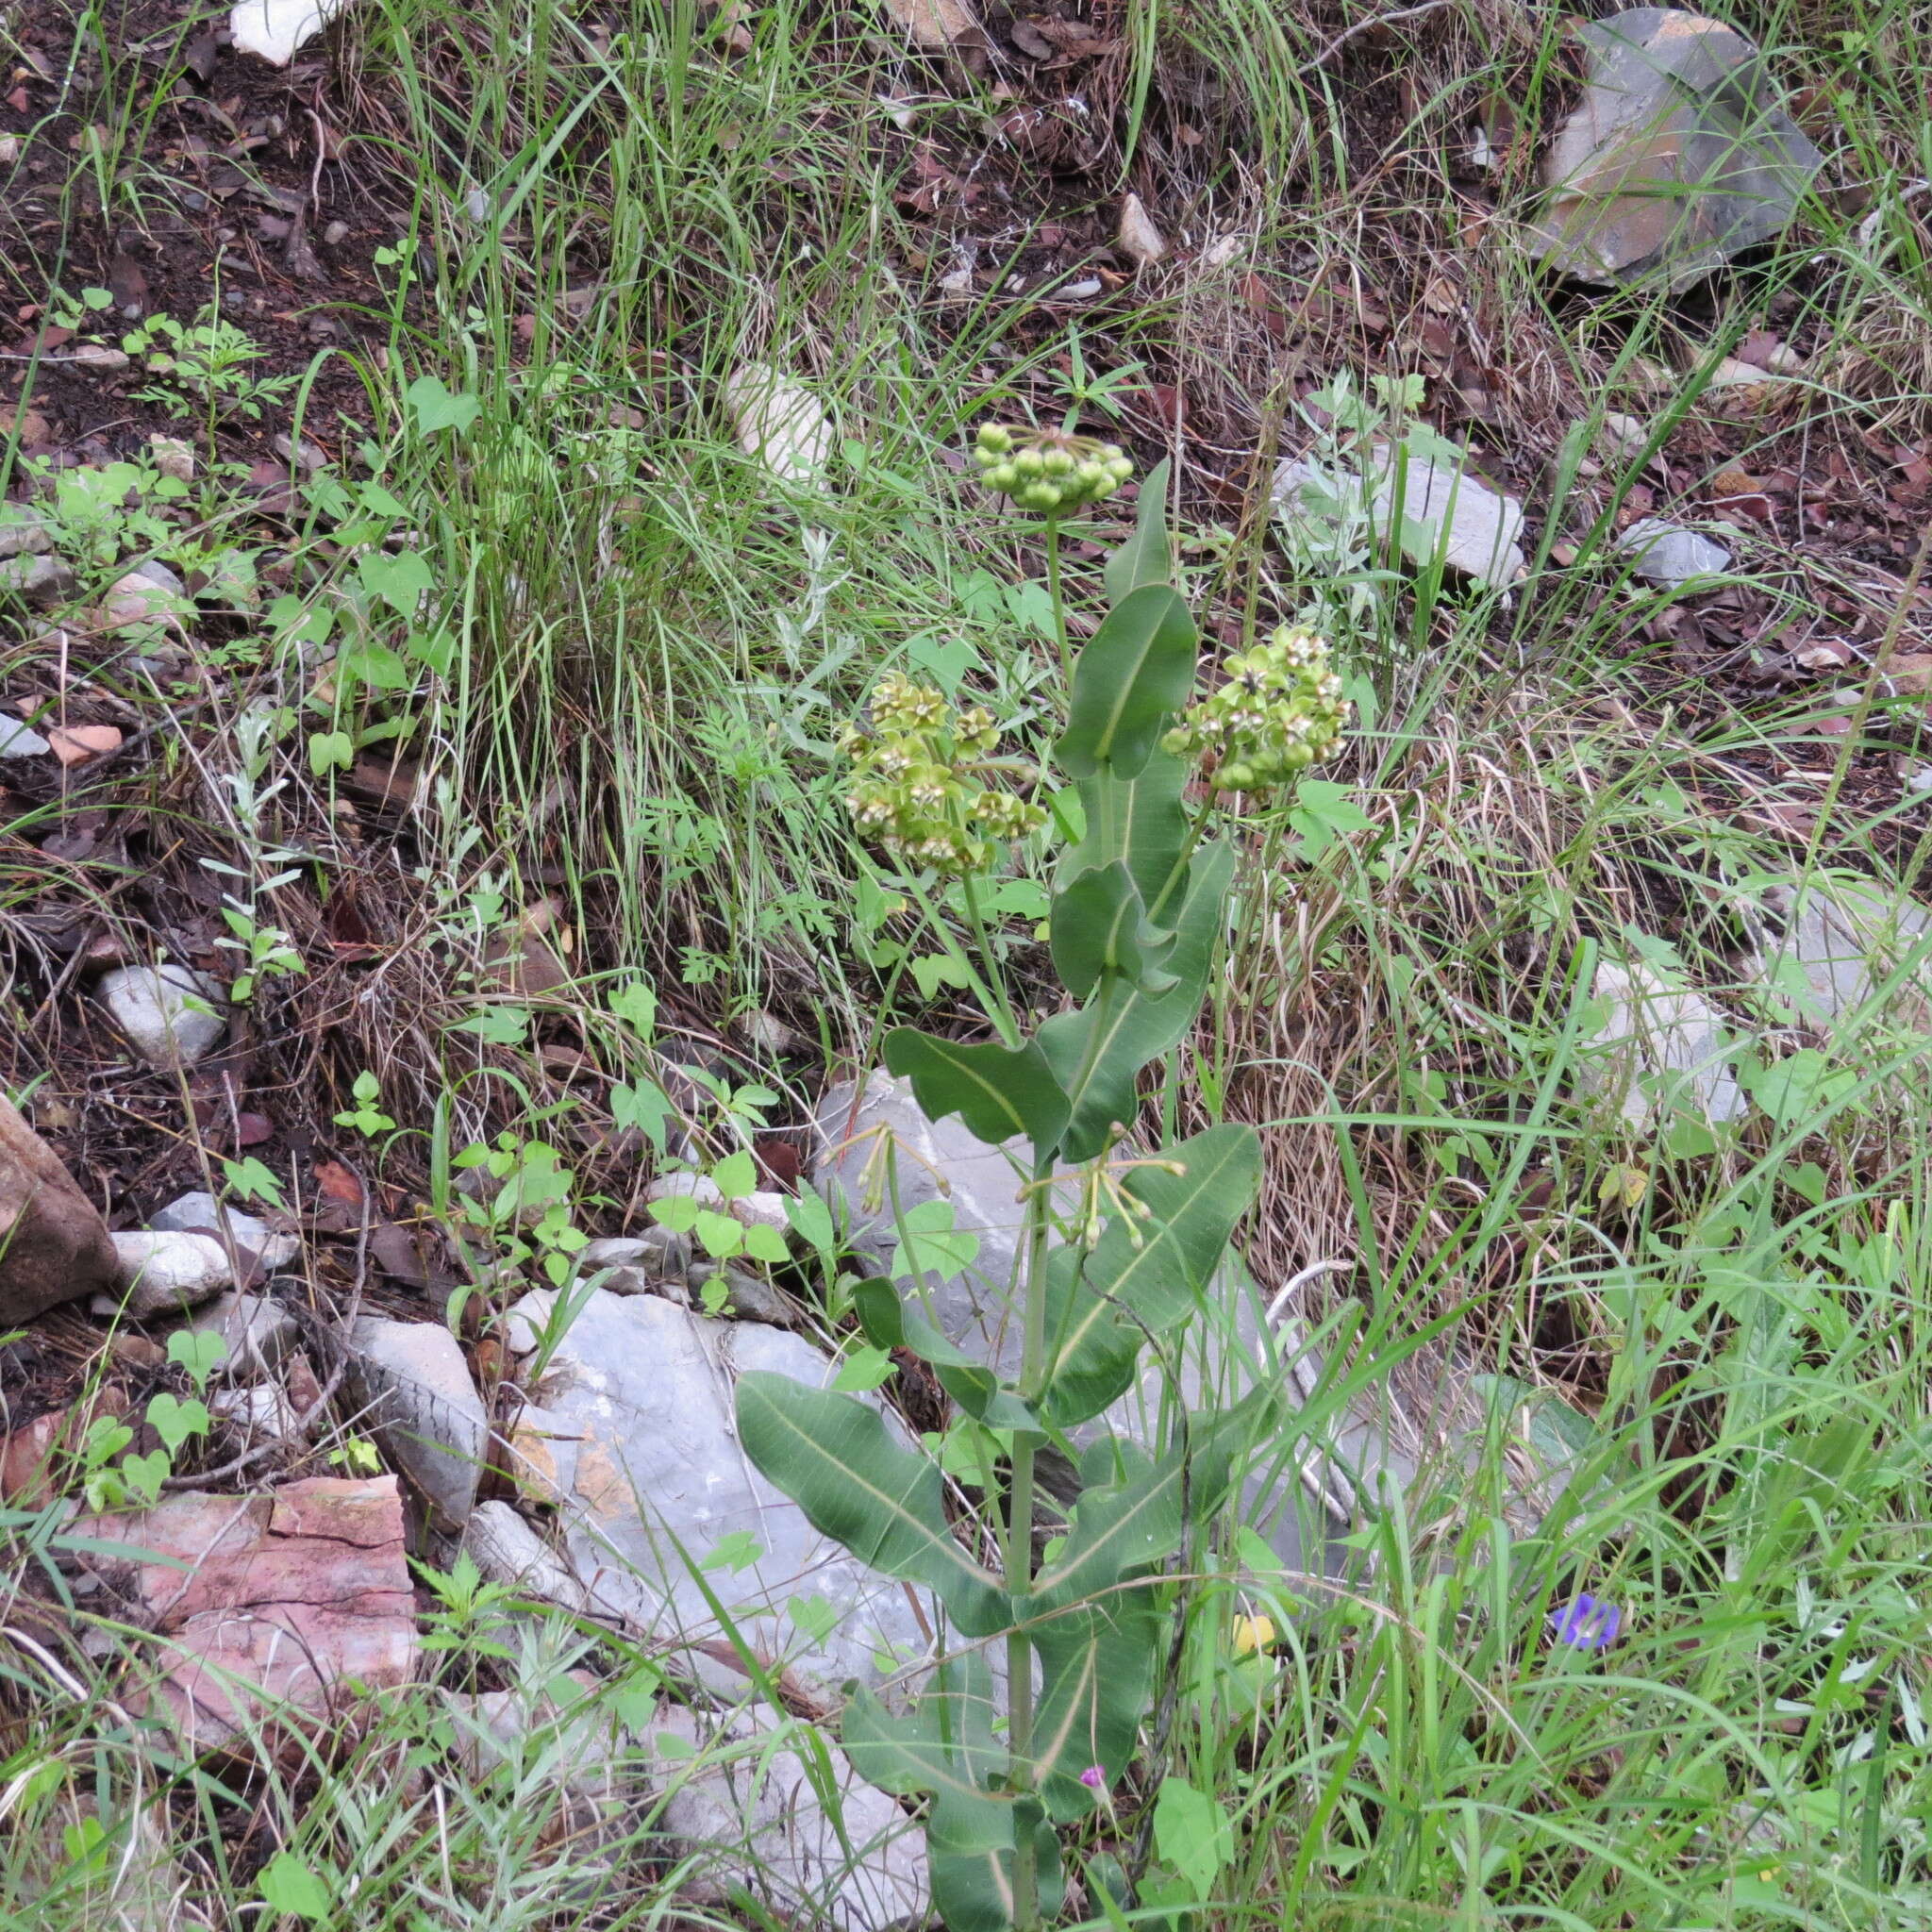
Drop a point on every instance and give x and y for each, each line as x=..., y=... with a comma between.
x=277, y=1615
x=53, y=1244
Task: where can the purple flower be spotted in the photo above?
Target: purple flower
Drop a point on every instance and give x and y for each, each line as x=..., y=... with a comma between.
x=1588, y=1622
x=1094, y=1778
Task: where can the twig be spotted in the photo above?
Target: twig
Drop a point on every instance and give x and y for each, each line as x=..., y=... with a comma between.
x=1362, y=27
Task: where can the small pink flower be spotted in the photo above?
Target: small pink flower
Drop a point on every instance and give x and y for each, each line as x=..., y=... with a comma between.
x=1094, y=1778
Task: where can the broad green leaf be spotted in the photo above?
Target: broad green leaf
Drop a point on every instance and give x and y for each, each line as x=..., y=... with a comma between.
x=1100, y=926
x=287, y=1884
x=928, y=1243
x=1192, y=1833
x=1134, y=672
x=144, y=1475
x=435, y=408
x=766, y=1244
x=1147, y=557
x=399, y=578
x=1097, y=1666
x=199, y=1351
x=945, y=1746
x=1140, y=821
x=719, y=1235
x=1096, y=1319
x=834, y=1459
x=175, y=1420
x=1099, y=1052
x=888, y=1322
x=864, y=1370
x=997, y=1090
x=736, y=1175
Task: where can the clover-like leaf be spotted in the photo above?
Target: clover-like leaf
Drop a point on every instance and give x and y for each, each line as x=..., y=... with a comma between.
x=175, y=1420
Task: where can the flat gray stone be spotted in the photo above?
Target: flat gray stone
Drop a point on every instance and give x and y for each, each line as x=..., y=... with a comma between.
x=18, y=741
x=1410, y=1422
x=1676, y=158
x=740, y=1802
x=1834, y=944
x=163, y=1271
x=415, y=1385
x=659, y=1478
x=256, y=1335
x=1661, y=1048
x=24, y=531
x=1476, y=530
x=42, y=581
x=199, y=1212
x=170, y=1014
x=1668, y=555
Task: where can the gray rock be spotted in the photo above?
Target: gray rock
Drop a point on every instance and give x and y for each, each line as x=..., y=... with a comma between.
x=540, y=1454
x=1476, y=531
x=1662, y=1046
x=199, y=1212
x=174, y=456
x=24, y=531
x=1421, y=1418
x=760, y=1209
x=1834, y=949
x=657, y=1251
x=748, y=1297
x=740, y=1801
x=255, y=1333
x=506, y=1550
x=660, y=1483
x=260, y=1414
x=41, y=581
x=1669, y=555
x=170, y=1014
x=1676, y=158
x=160, y=1271
x=18, y=740
x=412, y=1379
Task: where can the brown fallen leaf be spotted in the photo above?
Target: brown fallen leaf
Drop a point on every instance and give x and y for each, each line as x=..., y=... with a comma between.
x=338, y=1183
x=73, y=745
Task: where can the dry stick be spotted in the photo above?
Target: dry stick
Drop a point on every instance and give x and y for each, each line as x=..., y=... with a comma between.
x=319, y=1409
x=1362, y=27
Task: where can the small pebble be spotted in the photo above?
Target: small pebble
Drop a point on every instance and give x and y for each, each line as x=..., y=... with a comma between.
x=336, y=234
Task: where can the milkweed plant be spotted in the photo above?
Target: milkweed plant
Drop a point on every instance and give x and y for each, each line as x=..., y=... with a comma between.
x=1138, y=911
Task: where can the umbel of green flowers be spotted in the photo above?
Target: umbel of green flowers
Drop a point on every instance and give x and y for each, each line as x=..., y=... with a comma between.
x=917, y=780
x=1048, y=470
x=1279, y=710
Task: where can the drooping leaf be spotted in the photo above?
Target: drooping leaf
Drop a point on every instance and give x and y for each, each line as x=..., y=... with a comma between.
x=997, y=1090
x=945, y=1747
x=1134, y=672
x=1100, y=926
x=833, y=1456
x=1099, y=1316
x=1113, y=1038
x=1097, y=1666
x=888, y=1322
x=1147, y=557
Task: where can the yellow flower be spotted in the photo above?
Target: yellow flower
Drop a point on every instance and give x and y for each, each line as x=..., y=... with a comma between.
x=1252, y=1634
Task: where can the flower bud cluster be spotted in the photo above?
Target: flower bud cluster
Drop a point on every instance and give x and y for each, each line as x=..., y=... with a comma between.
x=1279, y=711
x=919, y=780
x=1044, y=470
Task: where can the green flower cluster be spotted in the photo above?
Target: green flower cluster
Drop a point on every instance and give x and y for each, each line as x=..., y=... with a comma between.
x=1044, y=470
x=917, y=780
x=1279, y=711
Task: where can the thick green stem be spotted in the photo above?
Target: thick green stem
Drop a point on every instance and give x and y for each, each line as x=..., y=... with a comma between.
x=1003, y=1015
x=1019, y=1546
x=1060, y=608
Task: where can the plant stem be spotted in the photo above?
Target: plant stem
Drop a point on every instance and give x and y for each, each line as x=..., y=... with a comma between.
x=1019, y=1550
x=1060, y=608
x=1003, y=1015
